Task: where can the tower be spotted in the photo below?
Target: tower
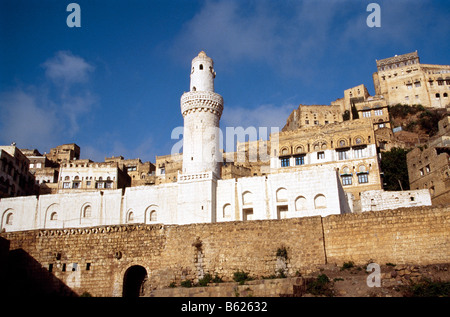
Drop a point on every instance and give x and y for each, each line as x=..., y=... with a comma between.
x=201, y=108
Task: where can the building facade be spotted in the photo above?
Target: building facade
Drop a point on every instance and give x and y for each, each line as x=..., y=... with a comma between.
x=402, y=79
x=429, y=165
x=348, y=147
x=15, y=177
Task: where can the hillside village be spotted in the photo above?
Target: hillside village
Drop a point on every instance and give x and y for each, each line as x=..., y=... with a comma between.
x=363, y=180
x=409, y=111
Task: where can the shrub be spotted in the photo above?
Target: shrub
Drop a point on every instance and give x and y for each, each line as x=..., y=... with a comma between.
x=207, y=278
x=186, y=283
x=320, y=286
x=241, y=277
x=347, y=265
x=427, y=288
x=282, y=253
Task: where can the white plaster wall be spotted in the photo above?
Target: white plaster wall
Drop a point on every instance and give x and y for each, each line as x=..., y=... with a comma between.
x=143, y=200
x=308, y=184
x=196, y=201
x=375, y=200
x=23, y=210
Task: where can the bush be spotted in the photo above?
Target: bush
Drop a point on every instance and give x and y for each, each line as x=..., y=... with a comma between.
x=282, y=253
x=320, y=286
x=428, y=288
x=241, y=277
x=347, y=265
x=207, y=278
x=186, y=283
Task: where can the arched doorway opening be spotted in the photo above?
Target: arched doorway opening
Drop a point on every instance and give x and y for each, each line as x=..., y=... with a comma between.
x=133, y=281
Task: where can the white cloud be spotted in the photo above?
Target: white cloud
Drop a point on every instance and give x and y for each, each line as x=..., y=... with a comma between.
x=28, y=120
x=45, y=115
x=67, y=68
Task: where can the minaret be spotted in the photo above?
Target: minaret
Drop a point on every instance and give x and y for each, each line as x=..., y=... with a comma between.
x=201, y=108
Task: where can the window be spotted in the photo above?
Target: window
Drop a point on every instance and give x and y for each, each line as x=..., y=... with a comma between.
x=343, y=155
x=100, y=185
x=9, y=219
x=359, y=152
x=201, y=67
x=247, y=214
x=300, y=203
x=320, y=155
x=108, y=185
x=366, y=114
x=76, y=185
x=320, y=201
x=363, y=178
x=130, y=217
x=316, y=122
x=417, y=84
x=87, y=211
x=284, y=161
x=306, y=121
x=88, y=183
x=66, y=185
x=282, y=211
x=346, y=180
x=378, y=112
x=300, y=160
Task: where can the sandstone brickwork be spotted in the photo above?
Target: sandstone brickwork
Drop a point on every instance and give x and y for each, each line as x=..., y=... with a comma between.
x=96, y=259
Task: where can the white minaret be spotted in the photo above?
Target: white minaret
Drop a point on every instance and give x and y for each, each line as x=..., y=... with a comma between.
x=201, y=108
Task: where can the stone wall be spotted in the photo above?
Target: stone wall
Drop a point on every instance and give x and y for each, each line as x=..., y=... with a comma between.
x=407, y=235
x=96, y=259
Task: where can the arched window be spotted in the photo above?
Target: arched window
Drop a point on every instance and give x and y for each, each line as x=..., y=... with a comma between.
x=320, y=201
x=201, y=67
x=247, y=198
x=130, y=217
x=300, y=203
x=282, y=194
x=87, y=211
x=9, y=218
x=54, y=216
x=227, y=211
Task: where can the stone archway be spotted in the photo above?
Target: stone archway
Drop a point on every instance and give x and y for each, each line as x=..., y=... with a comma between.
x=133, y=281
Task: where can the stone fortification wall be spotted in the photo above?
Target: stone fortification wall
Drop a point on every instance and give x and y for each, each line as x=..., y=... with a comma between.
x=96, y=259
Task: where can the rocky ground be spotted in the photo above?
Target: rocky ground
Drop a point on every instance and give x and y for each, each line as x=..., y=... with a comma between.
x=395, y=281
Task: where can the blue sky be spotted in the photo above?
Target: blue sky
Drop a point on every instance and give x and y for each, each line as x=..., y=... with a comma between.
x=113, y=85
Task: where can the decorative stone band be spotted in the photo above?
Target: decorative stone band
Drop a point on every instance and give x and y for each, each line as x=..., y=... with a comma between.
x=98, y=229
x=197, y=101
x=186, y=178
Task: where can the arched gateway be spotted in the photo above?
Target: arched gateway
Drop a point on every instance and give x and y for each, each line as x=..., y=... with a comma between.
x=133, y=281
